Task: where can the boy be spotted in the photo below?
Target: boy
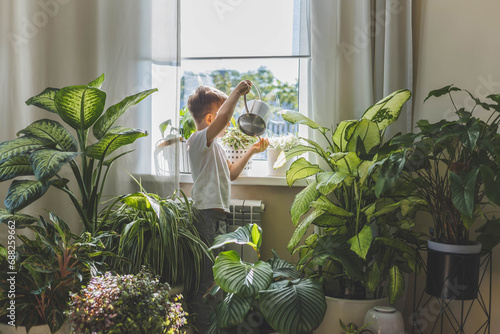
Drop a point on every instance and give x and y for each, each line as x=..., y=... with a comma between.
x=212, y=111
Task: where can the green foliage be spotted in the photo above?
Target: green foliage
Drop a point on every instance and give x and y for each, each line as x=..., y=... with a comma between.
x=126, y=304
x=157, y=233
x=237, y=139
x=49, y=267
x=349, y=256
x=272, y=288
x=454, y=166
x=44, y=147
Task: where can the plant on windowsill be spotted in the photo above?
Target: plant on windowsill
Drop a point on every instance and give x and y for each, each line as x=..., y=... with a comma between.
x=48, y=268
x=45, y=146
x=269, y=290
x=236, y=144
x=278, y=144
x=136, y=303
x=454, y=165
x=364, y=245
x=157, y=233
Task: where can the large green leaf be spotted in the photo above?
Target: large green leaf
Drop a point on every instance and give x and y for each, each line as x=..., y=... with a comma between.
x=250, y=234
x=52, y=131
x=292, y=153
x=395, y=284
x=387, y=110
x=342, y=134
x=21, y=193
x=463, y=192
x=106, y=121
x=297, y=308
x=114, y=139
x=295, y=117
x=402, y=248
x=329, y=181
x=232, y=309
x=21, y=220
x=361, y=242
x=301, y=229
x=97, y=83
x=491, y=184
x=138, y=201
x=44, y=100
x=367, y=134
x=302, y=202
x=245, y=279
x=282, y=268
x=300, y=169
x=373, y=277
x=336, y=247
x=19, y=145
x=47, y=162
x=80, y=106
x=348, y=164
x=14, y=166
x=325, y=204
x=441, y=91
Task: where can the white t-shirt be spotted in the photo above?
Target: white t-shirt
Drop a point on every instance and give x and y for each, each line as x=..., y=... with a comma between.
x=210, y=172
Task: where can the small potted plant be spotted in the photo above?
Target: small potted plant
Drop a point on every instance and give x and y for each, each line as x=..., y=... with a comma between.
x=236, y=144
x=278, y=144
x=454, y=165
x=126, y=304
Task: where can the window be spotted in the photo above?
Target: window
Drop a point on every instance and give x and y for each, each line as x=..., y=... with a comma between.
x=226, y=41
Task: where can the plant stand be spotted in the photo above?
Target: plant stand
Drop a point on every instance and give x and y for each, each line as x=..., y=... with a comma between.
x=445, y=316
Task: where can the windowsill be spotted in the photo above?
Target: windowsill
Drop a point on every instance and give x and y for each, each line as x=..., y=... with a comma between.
x=258, y=175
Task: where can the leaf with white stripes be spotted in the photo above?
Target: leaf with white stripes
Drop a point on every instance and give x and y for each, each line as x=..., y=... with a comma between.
x=387, y=110
x=232, y=310
x=250, y=234
x=236, y=276
x=21, y=220
x=17, y=165
x=47, y=162
x=52, y=131
x=302, y=202
x=114, y=139
x=44, y=100
x=297, y=308
x=21, y=193
x=20, y=145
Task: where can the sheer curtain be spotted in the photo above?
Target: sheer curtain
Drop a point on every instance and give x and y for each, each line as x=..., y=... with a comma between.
x=361, y=51
x=56, y=43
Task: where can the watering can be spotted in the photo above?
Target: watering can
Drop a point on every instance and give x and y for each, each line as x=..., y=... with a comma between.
x=253, y=122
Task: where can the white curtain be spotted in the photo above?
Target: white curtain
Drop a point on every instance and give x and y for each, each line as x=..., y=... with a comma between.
x=361, y=51
x=57, y=43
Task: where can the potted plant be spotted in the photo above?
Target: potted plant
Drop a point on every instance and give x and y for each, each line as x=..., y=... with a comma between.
x=39, y=275
x=268, y=293
x=236, y=144
x=364, y=246
x=278, y=144
x=454, y=166
x=157, y=233
x=136, y=303
x=45, y=146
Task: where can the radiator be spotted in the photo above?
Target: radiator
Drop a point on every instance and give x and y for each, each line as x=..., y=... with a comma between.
x=244, y=212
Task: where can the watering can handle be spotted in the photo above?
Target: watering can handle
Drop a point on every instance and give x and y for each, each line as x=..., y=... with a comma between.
x=245, y=96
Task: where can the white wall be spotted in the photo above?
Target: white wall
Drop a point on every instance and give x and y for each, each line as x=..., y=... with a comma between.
x=457, y=42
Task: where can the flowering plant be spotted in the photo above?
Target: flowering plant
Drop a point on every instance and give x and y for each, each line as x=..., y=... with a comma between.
x=283, y=142
x=237, y=139
x=126, y=304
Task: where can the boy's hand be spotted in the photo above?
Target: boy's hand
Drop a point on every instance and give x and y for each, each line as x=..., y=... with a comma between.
x=243, y=87
x=260, y=146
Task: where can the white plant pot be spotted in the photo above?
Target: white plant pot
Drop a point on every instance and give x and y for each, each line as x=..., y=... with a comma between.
x=234, y=155
x=350, y=311
x=272, y=156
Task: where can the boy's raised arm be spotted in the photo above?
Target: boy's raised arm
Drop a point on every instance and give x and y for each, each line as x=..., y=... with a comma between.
x=226, y=110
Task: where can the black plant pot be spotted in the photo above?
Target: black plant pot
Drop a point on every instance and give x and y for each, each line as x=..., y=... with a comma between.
x=451, y=275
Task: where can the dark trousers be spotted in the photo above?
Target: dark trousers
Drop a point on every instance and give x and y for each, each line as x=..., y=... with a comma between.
x=209, y=223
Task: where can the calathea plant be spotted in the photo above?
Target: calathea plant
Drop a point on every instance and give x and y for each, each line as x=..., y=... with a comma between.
x=271, y=290
x=362, y=251
x=454, y=165
x=45, y=146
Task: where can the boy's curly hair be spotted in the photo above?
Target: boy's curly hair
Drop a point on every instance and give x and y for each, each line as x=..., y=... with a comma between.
x=200, y=102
